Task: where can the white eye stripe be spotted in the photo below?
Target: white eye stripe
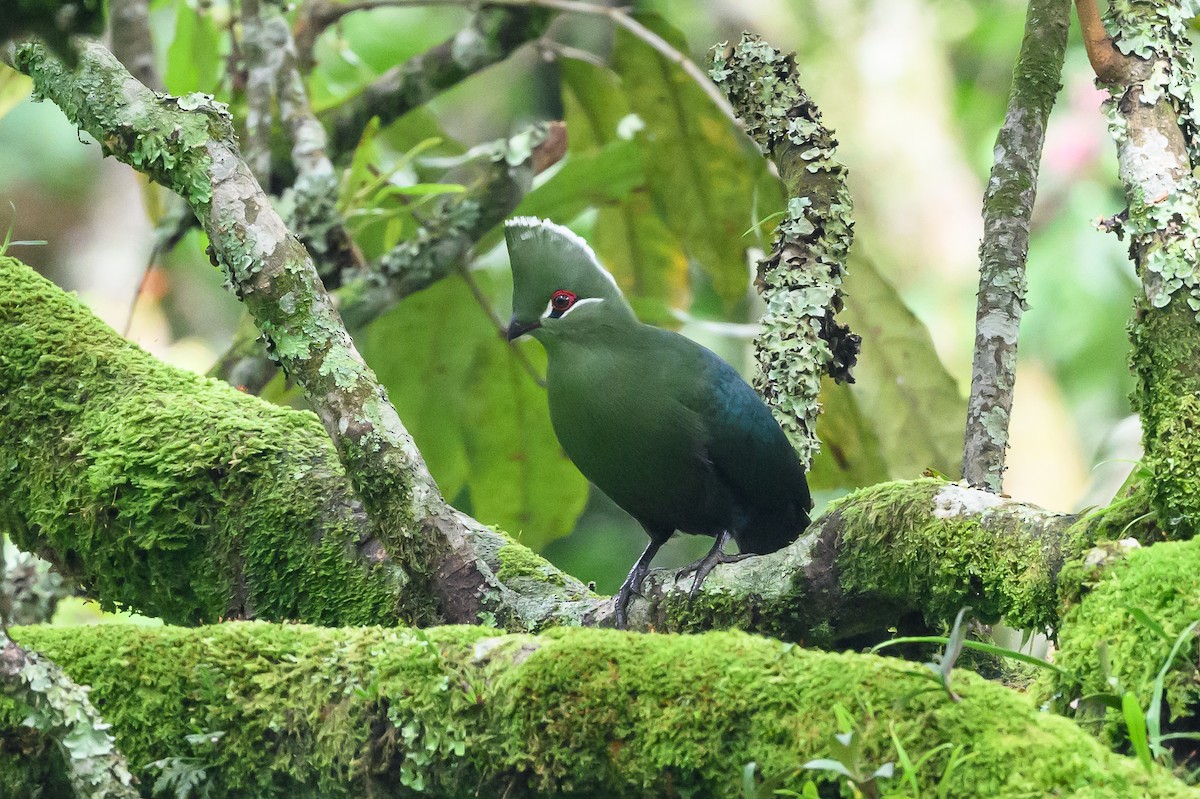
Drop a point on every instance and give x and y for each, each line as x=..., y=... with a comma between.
x=550, y=307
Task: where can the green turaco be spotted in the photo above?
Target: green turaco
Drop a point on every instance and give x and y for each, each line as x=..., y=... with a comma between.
x=660, y=424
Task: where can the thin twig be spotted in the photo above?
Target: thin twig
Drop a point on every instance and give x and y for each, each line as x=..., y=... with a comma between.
x=137, y=294
x=1007, y=209
x=501, y=328
x=328, y=15
x=1106, y=60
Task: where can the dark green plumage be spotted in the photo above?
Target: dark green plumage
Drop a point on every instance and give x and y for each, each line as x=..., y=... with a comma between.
x=657, y=422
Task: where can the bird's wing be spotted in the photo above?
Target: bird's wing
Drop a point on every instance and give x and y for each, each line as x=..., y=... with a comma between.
x=745, y=444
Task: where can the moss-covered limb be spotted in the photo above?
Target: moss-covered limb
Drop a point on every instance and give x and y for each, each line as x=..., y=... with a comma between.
x=188, y=143
x=495, y=182
x=166, y=492
x=59, y=708
x=186, y=499
x=885, y=555
x=1007, y=210
x=183, y=498
x=1118, y=636
x=303, y=711
x=1153, y=122
x=492, y=35
x=801, y=279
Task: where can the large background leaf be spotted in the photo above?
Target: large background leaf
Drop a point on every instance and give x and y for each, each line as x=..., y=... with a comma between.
x=476, y=414
x=903, y=388
x=702, y=173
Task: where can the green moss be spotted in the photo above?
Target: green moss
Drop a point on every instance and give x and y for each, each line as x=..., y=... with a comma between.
x=997, y=563
x=1165, y=345
x=166, y=492
x=1161, y=582
x=517, y=561
x=306, y=712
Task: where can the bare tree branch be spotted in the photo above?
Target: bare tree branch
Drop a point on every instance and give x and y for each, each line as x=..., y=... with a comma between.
x=1007, y=211
x=132, y=42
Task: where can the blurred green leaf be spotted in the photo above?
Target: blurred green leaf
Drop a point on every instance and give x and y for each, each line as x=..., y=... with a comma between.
x=478, y=417
x=901, y=385
x=194, y=56
x=850, y=455
x=701, y=171
x=644, y=257
x=14, y=88
x=586, y=180
x=594, y=103
x=422, y=350
x=629, y=237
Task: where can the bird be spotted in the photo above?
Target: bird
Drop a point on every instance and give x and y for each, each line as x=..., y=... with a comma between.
x=660, y=424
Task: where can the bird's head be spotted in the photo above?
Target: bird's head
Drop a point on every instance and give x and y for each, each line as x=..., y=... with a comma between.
x=558, y=283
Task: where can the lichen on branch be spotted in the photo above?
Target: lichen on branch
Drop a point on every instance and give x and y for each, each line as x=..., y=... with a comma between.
x=801, y=279
x=1007, y=215
x=1149, y=73
x=188, y=144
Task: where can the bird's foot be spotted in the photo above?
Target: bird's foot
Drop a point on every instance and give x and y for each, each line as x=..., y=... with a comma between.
x=692, y=568
x=622, y=606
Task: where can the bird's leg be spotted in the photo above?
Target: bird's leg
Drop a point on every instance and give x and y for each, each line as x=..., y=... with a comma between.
x=633, y=583
x=707, y=563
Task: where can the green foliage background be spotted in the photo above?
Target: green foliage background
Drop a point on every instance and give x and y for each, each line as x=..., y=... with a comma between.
x=678, y=204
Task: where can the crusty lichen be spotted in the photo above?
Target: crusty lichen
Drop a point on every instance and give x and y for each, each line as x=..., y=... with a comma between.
x=306, y=712
x=1153, y=120
x=801, y=279
x=148, y=134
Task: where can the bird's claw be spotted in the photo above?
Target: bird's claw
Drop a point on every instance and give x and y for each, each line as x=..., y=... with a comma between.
x=692, y=568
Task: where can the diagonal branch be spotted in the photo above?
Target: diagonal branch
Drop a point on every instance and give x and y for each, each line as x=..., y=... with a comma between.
x=59, y=708
x=188, y=145
x=1007, y=211
x=443, y=244
x=493, y=34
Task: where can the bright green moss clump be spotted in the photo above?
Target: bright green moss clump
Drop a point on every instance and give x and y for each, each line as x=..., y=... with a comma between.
x=1159, y=581
x=299, y=711
x=166, y=492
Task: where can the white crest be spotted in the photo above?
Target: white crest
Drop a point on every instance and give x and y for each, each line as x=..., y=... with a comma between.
x=531, y=223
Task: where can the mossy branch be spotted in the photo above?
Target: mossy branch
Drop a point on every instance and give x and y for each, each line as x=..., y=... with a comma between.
x=1007, y=213
x=306, y=712
x=185, y=499
x=1153, y=120
x=188, y=145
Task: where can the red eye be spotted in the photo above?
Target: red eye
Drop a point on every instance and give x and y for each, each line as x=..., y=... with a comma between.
x=562, y=300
